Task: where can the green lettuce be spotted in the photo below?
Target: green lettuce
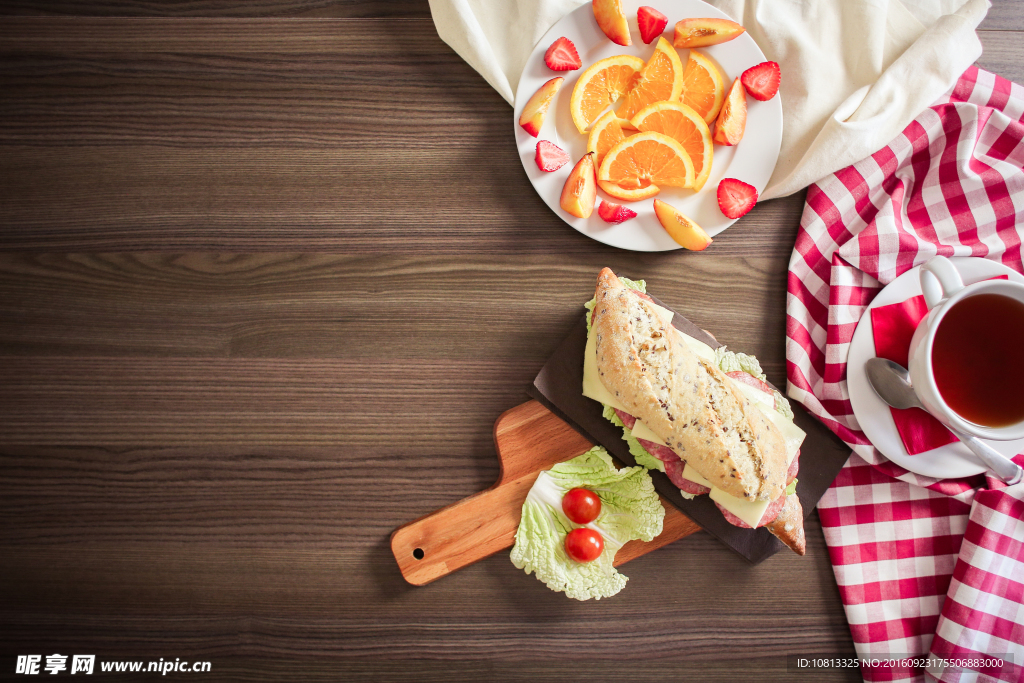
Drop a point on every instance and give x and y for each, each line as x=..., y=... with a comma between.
x=791, y=489
x=729, y=361
x=783, y=407
x=630, y=509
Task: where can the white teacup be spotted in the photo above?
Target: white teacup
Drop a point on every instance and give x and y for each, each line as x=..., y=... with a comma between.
x=943, y=288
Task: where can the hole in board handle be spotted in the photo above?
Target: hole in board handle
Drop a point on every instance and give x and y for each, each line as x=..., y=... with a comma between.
x=418, y=553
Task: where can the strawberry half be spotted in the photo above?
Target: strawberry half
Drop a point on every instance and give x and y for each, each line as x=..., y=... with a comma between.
x=562, y=56
x=550, y=157
x=735, y=197
x=762, y=81
x=652, y=23
x=614, y=213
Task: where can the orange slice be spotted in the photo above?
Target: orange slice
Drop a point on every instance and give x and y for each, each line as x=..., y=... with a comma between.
x=600, y=85
x=703, y=86
x=647, y=159
x=684, y=125
x=661, y=79
x=605, y=134
x=613, y=190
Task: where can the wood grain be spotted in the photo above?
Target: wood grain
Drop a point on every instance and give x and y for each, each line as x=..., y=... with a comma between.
x=219, y=8
x=244, y=336
x=197, y=112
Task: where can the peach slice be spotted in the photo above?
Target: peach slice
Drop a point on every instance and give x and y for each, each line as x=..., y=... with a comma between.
x=733, y=117
x=536, y=108
x=680, y=228
x=704, y=32
x=612, y=20
x=580, y=190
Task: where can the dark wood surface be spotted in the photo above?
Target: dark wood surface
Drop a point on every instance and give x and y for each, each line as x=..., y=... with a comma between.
x=268, y=274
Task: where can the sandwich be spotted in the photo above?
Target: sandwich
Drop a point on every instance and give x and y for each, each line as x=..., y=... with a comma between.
x=705, y=417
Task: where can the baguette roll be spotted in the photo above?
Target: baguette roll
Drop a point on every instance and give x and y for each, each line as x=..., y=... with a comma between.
x=687, y=401
x=788, y=527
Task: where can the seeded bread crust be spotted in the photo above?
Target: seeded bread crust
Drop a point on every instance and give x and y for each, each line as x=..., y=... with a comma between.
x=789, y=525
x=688, y=402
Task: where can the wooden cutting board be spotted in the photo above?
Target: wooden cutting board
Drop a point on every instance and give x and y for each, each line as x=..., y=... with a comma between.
x=529, y=439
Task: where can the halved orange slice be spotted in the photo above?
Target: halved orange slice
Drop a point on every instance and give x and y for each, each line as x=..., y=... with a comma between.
x=600, y=85
x=605, y=134
x=613, y=190
x=661, y=79
x=647, y=159
x=703, y=86
x=684, y=125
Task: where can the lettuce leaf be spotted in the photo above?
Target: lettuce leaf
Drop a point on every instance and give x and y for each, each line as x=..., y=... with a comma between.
x=630, y=509
x=783, y=407
x=729, y=361
x=791, y=489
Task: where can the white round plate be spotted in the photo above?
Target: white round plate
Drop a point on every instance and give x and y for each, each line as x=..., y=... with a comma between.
x=951, y=461
x=751, y=161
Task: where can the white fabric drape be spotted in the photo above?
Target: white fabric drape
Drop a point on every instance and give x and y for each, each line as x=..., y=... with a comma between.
x=854, y=72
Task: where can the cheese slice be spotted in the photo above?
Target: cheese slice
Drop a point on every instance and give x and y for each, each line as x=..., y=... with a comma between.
x=700, y=348
x=593, y=387
x=750, y=512
x=665, y=314
x=694, y=476
x=642, y=431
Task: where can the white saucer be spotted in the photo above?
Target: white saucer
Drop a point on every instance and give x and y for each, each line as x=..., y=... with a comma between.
x=951, y=461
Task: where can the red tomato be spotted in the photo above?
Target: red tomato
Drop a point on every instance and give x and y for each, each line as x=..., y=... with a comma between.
x=584, y=544
x=581, y=506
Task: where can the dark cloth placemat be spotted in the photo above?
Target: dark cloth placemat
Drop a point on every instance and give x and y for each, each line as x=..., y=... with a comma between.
x=559, y=386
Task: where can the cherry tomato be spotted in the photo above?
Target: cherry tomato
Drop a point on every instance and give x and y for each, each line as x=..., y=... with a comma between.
x=582, y=506
x=584, y=544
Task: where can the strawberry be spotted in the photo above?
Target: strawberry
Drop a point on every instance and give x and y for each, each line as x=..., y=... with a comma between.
x=550, y=157
x=735, y=197
x=652, y=23
x=762, y=81
x=562, y=56
x=615, y=213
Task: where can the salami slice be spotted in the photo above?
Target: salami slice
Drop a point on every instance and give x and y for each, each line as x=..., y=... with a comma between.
x=663, y=453
x=747, y=378
x=626, y=418
x=794, y=468
x=768, y=517
x=674, y=470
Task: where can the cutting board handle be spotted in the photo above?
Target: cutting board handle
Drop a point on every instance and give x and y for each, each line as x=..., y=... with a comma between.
x=529, y=439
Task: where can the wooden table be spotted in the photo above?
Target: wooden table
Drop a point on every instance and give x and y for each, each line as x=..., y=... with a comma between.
x=269, y=273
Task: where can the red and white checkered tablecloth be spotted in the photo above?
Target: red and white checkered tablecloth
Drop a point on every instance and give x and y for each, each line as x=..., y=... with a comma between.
x=924, y=566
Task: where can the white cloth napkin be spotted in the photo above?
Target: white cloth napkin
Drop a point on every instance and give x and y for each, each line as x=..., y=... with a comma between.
x=854, y=72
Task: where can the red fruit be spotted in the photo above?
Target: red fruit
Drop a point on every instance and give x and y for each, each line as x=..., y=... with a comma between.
x=584, y=544
x=551, y=157
x=581, y=506
x=762, y=81
x=614, y=213
x=735, y=197
x=652, y=23
x=562, y=56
